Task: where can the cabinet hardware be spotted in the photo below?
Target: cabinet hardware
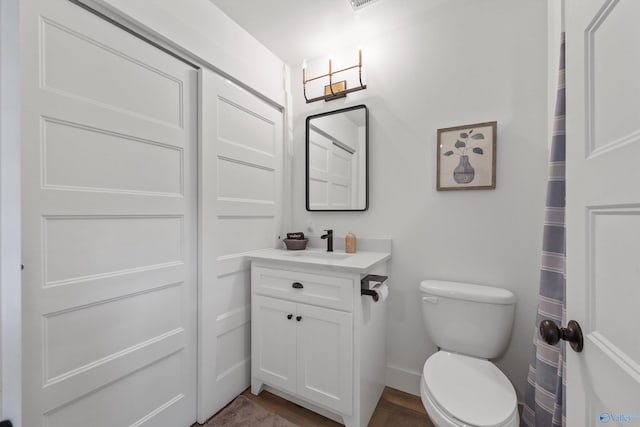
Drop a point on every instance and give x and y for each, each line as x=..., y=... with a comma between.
x=297, y=285
x=298, y=318
x=289, y=316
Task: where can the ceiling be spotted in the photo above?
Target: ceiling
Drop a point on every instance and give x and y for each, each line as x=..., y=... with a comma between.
x=299, y=29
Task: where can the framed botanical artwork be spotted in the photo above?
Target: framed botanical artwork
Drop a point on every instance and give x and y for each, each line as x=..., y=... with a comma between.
x=467, y=157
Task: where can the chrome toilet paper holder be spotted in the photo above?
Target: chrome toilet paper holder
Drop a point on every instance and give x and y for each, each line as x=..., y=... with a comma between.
x=366, y=287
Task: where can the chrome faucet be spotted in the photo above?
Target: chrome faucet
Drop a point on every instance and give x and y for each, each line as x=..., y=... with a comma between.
x=329, y=237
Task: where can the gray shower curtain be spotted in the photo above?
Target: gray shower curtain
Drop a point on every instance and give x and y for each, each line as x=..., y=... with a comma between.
x=545, y=391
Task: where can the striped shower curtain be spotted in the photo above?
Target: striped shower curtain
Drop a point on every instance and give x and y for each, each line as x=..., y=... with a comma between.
x=545, y=391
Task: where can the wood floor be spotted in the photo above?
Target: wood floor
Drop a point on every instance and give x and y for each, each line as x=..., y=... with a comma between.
x=395, y=408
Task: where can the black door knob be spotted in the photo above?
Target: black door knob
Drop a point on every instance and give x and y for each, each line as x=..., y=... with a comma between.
x=298, y=318
x=297, y=285
x=551, y=334
x=289, y=316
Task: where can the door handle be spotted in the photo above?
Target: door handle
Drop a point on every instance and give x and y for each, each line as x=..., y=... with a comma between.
x=552, y=334
x=297, y=285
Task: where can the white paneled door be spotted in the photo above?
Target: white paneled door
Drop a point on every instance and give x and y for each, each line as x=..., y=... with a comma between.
x=109, y=221
x=603, y=210
x=240, y=210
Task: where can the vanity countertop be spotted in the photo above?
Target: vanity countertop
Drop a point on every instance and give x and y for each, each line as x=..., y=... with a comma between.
x=360, y=262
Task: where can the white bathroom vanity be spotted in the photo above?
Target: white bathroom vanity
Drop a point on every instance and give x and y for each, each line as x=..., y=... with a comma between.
x=316, y=339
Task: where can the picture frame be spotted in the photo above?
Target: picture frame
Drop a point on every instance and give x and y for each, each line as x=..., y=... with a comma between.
x=467, y=157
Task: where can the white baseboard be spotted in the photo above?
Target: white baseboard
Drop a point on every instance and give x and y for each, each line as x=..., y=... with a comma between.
x=403, y=379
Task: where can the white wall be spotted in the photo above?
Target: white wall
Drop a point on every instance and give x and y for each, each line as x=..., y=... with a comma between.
x=462, y=62
x=10, y=291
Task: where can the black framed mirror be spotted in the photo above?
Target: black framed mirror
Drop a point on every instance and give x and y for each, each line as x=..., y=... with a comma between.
x=337, y=160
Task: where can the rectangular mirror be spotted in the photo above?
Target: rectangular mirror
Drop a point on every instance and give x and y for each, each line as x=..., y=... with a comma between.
x=337, y=177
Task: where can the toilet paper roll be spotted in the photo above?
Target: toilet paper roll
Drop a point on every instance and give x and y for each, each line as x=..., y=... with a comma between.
x=383, y=292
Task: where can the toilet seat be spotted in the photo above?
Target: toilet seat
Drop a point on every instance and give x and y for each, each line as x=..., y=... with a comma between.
x=467, y=391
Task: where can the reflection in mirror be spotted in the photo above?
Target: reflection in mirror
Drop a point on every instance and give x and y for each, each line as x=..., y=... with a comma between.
x=337, y=177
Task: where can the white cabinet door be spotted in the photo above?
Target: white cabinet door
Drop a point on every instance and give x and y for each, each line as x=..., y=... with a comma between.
x=325, y=357
x=109, y=218
x=603, y=210
x=273, y=337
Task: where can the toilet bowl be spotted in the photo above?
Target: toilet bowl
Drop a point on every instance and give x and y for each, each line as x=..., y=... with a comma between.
x=466, y=391
x=460, y=387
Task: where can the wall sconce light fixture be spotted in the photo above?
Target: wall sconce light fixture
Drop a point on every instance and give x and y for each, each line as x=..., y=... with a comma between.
x=333, y=90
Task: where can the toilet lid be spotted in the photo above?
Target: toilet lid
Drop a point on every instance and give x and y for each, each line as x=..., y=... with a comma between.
x=471, y=390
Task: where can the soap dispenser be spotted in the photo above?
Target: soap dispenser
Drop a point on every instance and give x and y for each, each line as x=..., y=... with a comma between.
x=350, y=243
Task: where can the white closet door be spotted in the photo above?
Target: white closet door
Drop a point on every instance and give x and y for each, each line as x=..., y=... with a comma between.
x=241, y=210
x=109, y=220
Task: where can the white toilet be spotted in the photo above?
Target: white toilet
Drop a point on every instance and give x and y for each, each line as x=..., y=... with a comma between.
x=470, y=324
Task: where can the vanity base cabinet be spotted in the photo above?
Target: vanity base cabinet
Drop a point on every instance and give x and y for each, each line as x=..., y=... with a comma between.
x=304, y=350
x=316, y=341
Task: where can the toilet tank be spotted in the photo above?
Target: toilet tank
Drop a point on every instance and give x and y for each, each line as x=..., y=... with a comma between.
x=469, y=319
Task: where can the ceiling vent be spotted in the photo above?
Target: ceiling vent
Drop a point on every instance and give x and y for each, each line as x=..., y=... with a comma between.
x=359, y=4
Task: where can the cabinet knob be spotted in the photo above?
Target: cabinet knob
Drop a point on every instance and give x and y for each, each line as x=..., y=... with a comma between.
x=298, y=318
x=289, y=316
x=297, y=285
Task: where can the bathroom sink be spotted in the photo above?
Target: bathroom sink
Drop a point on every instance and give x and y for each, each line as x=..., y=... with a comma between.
x=330, y=256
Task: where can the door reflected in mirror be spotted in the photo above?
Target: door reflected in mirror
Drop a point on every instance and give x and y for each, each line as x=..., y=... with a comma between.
x=336, y=158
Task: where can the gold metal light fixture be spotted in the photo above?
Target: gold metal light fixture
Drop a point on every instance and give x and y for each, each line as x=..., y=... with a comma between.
x=333, y=90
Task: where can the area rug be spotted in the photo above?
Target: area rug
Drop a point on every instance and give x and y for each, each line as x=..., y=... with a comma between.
x=242, y=412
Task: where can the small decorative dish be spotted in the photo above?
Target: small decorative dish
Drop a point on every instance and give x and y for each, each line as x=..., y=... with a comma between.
x=296, y=244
